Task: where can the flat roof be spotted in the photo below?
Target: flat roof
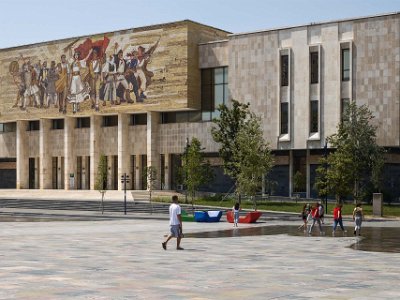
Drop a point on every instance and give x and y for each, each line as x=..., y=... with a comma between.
x=122, y=31
x=315, y=23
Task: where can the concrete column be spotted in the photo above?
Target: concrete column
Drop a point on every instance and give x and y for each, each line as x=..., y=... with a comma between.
x=69, y=152
x=123, y=149
x=45, y=168
x=167, y=171
x=377, y=204
x=22, y=156
x=153, y=154
x=95, y=148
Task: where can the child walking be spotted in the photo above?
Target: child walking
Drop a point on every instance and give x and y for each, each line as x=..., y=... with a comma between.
x=235, y=210
x=357, y=218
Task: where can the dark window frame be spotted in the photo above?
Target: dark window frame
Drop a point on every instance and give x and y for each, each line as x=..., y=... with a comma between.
x=344, y=104
x=314, y=114
x=110, y=121
x=314, y=67
x=33, y=125
x=209, y=109
x=8, y=127
x=57, y=124
x=285, y=70
x=345, y=53
x=284, y=118
x=83, y=122
x=138, y=119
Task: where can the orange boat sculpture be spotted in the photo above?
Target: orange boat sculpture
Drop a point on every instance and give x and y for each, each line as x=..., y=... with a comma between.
x=250, y=217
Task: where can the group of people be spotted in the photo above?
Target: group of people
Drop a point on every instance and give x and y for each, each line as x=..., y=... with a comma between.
x=316, y=213
x=74, y=80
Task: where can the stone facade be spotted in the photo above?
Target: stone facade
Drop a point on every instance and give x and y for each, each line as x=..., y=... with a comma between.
x=254, y=76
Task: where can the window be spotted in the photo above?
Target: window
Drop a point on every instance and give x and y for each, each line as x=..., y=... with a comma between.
x=57, y=124
x=8, y=127
x=214, y=91
x=313, y=116
x=33, y=125
x=110, y=121
x=284, y=118
x=345, y=64
x=344, y=110
x=138, y=119
x=83, y=122
x=284, y=70
x=180, y=117
x=314, y=67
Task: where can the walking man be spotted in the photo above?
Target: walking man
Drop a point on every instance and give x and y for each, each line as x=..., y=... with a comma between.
x=175, y=222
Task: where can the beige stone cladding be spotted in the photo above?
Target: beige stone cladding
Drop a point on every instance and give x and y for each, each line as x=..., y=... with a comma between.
x=377, y=73
x=214, y=54
x=173, y=137
x=253, y=77
x=81, y=141
x=198, y=34
x=56, y=140
x=137, y=140
x=8, y=144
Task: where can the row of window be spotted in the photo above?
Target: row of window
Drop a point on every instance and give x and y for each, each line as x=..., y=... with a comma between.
x=314, y=67
x=314, y=112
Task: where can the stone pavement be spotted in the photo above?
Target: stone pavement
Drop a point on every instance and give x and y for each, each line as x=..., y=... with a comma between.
x=123, y=259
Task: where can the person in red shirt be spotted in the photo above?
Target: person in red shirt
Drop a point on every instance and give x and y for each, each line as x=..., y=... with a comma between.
x=337, y=218
x=316, y=218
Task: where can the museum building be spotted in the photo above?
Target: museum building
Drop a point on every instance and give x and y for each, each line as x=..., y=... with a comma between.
x=139, y=95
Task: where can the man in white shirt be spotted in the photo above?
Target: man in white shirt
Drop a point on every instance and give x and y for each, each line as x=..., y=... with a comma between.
x=175, y=222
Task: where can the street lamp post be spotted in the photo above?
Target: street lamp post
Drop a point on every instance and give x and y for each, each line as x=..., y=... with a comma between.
x=326, y=174
x=186, y=175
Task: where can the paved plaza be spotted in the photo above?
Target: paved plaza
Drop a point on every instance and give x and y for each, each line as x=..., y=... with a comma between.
x=123, y=259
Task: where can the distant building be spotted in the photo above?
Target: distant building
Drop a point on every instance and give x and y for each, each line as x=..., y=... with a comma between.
x=137, y=95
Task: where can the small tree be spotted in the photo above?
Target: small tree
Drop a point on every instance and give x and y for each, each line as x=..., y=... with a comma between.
x=196, y=171
x=225, y=133
x=101, y=179
x=151, y=179
x=252, y=158
x=357, y=162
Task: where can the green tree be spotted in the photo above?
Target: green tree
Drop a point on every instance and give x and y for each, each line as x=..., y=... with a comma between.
x=357, y=163
x=225, y=133
x=101, y=179
x=252, y=158
x=151, y=180
x=195, y=169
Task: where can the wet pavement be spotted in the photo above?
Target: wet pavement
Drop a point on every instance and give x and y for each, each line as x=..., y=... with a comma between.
x=380, y=239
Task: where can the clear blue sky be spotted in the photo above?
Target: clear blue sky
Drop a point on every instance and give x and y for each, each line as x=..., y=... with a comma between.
x=31, y=21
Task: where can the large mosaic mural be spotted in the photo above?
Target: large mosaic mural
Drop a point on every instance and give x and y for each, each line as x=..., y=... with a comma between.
x=129, y=71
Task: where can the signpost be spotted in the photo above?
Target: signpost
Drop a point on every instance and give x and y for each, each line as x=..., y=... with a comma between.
x=125, y=179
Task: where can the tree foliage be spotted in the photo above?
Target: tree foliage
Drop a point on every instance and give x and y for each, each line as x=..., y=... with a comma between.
x=246, y=156
x=252, y=158
x=226, y=131
x=101, y=179
x=357, y=163
x=151, y=180
x=195, y=169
